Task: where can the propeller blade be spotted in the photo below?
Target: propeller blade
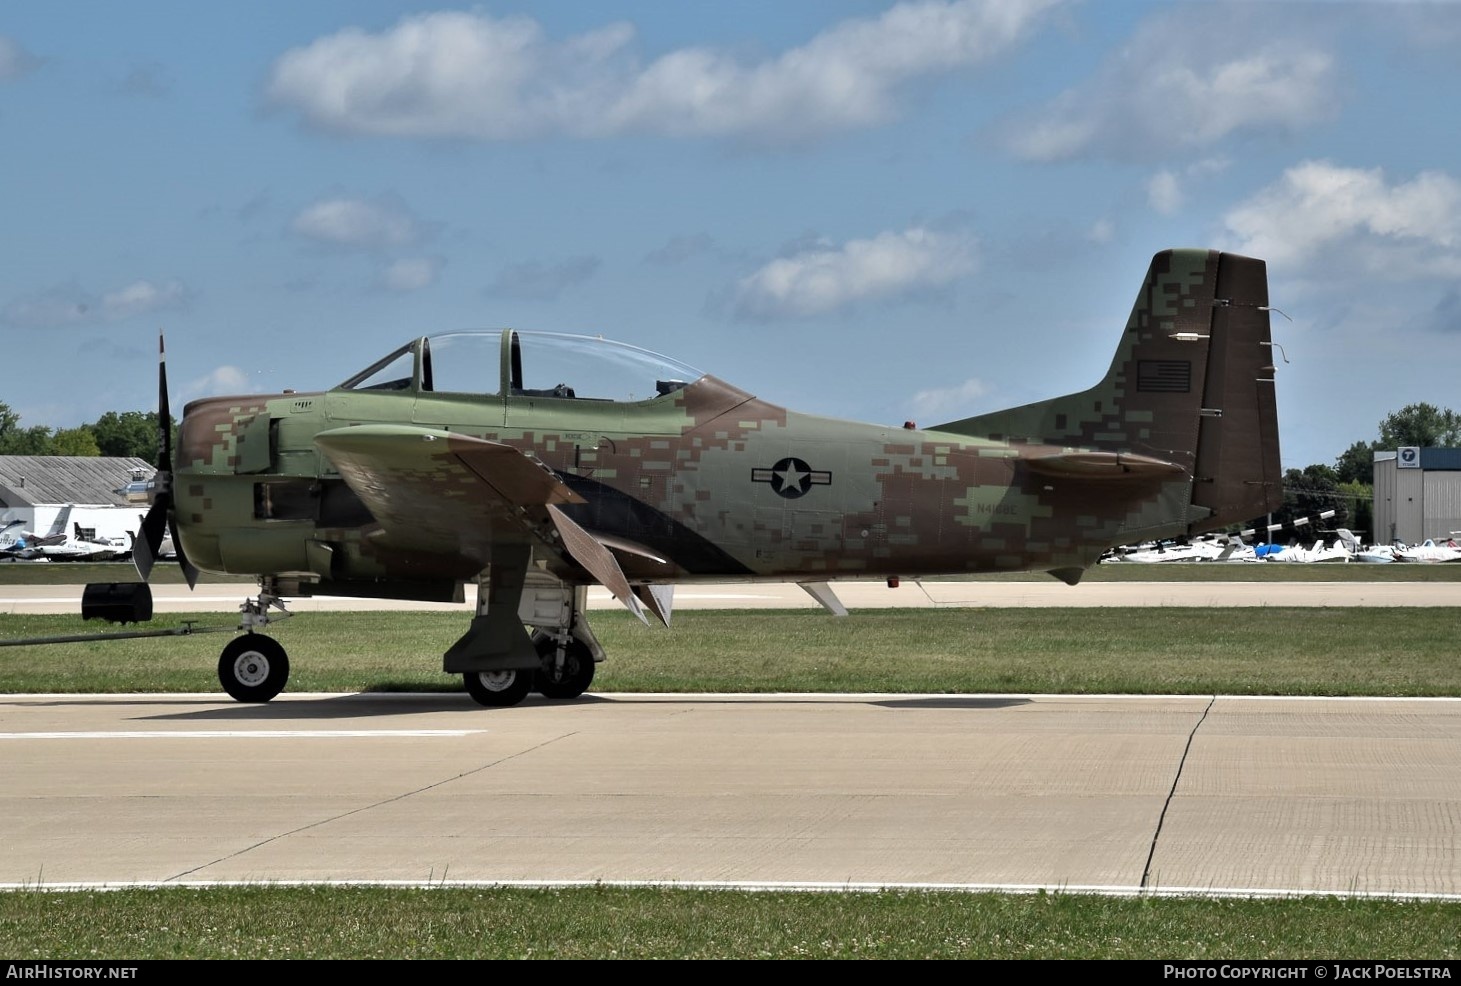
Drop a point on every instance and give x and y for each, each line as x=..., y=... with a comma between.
x=149, y=539
x=161, y=518
x=189, y=571
x=164, y=416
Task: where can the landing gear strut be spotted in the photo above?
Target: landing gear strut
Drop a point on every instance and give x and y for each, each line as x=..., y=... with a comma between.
x=568, y=664
x=255, y=668
x=500, y=662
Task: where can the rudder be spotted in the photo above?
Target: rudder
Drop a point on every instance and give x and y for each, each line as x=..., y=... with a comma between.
x=1238, y=475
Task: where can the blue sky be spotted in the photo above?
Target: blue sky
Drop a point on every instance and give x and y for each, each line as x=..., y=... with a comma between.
x=870, y=210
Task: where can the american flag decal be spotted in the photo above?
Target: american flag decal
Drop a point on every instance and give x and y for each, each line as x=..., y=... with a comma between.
x=1163, y=376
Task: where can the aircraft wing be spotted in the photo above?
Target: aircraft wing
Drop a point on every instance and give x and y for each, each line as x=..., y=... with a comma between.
x=437, y=491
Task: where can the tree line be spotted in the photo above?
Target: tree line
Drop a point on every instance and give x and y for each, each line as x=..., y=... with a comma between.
x=125, y=434
x=1347, y=486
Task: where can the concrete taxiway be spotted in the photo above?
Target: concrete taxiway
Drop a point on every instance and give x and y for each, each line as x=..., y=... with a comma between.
x=1113, y=794
x=1099, y=793
x=855, y=595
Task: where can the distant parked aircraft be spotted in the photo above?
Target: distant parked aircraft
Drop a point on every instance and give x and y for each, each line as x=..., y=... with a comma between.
x=14, y=540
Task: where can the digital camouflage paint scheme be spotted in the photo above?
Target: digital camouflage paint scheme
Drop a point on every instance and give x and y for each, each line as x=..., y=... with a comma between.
x=401, y=483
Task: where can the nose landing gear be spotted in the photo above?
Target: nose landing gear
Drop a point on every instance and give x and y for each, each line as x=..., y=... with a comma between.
x=253, y=667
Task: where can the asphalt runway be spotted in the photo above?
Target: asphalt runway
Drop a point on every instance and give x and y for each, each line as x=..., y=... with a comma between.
x=1111, y=794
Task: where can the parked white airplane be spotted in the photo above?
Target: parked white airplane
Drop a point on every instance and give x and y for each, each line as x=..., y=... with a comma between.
x=14, y=539
x=1378, y=554
x=56, y=546
x=1342, y=550
x=1429, y=551
x=114, y=549
x=1200, y=549
x=72, y=551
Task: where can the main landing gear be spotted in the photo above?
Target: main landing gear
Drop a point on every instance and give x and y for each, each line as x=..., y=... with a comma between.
x=557, y=660
x=500, y=662
x=498, y=688
x=568, y=664
x=566, y=670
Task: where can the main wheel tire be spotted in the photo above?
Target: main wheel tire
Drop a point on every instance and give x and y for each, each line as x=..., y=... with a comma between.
x=253, y=668
x=499, y=688
x=569, y=680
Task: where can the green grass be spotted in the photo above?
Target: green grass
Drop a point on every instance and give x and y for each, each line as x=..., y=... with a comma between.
x=1281, y=651
x=668, y=923
x=1248, y=651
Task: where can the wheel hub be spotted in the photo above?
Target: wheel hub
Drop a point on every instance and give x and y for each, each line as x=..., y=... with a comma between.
x=497, y=681
x=251, y=668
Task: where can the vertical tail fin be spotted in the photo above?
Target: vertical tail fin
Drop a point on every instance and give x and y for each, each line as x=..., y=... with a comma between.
x=57, y=533
x=1191, y=384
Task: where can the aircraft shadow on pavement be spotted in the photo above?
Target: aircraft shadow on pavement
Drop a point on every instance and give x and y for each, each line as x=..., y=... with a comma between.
x=362, y=705
x=954, y=702
x=93, y=700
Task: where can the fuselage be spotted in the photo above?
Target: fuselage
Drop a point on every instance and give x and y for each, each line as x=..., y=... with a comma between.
x=700, y=482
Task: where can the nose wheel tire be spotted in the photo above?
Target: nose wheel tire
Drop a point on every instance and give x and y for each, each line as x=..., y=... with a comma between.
x=499, y=688
x=253, y=668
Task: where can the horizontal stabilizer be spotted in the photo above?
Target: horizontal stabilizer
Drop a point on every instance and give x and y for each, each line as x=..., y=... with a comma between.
x=1103, y=465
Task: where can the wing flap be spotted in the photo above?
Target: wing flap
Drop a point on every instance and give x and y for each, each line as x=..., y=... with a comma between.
x=598, y=560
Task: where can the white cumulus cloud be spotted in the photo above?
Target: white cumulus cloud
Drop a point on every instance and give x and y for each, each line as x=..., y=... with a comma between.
x=1323, y=215
x=825, y=276
x=1164, y=193
x=141, y=297
x=1183, y=82
x=943, y=401
x=219, y=381
x=358, y=223
x=72, y=304
x=412, y=273
x=459, y=74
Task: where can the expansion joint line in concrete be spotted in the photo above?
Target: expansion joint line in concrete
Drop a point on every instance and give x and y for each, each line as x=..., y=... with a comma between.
x=1152, y=850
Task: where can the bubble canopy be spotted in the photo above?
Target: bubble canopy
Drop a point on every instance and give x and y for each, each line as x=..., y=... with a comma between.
x=525, y=364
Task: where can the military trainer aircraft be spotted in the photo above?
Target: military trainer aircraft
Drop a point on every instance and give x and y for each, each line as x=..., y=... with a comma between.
x=536, y=465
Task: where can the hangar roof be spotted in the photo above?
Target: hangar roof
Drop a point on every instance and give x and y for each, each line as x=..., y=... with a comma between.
x=31, y=480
